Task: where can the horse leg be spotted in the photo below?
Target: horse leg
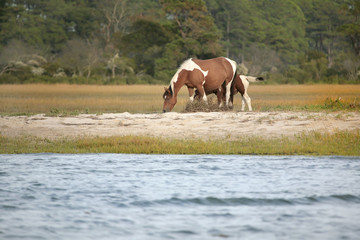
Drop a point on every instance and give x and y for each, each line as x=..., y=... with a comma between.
x=202, y=93
x=219, y=95
x=228, y=88
x=248, y=101
x=242, y=103
x=191, y=94
x=223, y=94
x=231, y=102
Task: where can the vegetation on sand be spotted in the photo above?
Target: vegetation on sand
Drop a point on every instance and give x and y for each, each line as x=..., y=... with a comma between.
x=60, y=100
x=315, y=143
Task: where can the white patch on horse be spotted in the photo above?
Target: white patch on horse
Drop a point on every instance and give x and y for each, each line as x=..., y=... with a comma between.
x=227, y=94
x=245, y=98
x=233, y=65
x=204, y=97
x=188, y=65
x=192, y=98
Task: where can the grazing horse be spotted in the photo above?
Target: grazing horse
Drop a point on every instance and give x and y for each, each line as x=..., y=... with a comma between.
x=239, y=84
x=204, y=75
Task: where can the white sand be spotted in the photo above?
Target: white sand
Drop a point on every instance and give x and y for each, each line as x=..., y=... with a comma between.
x=228, y=125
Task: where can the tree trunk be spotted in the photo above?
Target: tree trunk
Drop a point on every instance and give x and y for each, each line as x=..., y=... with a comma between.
x=329, y=47
x=113, y=74
x=228, y=34
x=329, y=54
x=89, y=72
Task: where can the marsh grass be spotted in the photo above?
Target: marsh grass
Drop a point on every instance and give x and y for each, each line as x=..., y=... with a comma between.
x=304, y=97
x=66, y=99
x=200, y=106
x=314, y=143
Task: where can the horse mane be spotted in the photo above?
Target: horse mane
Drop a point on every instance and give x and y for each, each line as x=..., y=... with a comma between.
x=175, y=77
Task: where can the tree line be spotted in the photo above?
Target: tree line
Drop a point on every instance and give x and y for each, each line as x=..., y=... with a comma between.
x=144, y=41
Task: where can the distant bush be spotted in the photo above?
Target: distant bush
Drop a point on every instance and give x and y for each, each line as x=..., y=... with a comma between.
x=55, y=74
x=9, y=79
x=26, y=78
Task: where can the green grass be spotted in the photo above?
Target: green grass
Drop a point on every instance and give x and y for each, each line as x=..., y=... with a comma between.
x=340, y=143
x=328, y=104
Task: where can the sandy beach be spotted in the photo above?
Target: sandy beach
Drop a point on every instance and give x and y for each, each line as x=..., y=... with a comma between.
x=204, y=125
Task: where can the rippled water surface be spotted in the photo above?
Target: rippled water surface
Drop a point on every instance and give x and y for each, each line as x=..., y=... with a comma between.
x=115, y=196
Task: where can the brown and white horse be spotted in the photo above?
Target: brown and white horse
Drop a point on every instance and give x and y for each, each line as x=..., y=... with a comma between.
x=240, y=84
x=204, y=75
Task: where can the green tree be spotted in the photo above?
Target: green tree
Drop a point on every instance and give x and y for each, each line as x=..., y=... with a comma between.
x=194, y=35
x=324, y=18
x=80, y=56
x=351, y=29
x=195, y=26
x=81, y=19
x=250, y=27
x=46, y=24
x=239, y=28
x=285, y=28
x=151, y=37
x=115, y=17
x=33, y=23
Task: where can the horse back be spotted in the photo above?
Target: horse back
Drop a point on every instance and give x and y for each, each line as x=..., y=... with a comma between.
x=219, y=70
x=192, y=78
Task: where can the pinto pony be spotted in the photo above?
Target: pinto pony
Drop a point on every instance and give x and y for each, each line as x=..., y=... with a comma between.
x=205, y=75
x=241, y=84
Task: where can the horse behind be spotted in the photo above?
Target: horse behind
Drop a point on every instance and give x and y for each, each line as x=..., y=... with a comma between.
x=205, y=75
x=239, y=84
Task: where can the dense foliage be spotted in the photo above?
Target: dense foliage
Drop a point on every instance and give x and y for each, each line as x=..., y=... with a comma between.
x=123, y=41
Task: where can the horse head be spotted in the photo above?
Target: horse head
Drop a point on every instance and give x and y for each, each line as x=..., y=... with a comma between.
x=169, y=100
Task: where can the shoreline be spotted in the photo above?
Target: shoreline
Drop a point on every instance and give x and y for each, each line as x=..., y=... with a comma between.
x=173, y=125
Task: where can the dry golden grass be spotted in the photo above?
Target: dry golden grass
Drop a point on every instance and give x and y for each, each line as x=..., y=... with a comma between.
x=64, y=98
x=40, y=98
x=305, y=96
x=270, y=96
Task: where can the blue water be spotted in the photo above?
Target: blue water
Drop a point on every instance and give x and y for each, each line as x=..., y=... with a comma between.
x=116, y=196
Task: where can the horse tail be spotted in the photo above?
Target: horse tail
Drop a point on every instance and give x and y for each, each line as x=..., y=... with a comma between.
x=235, y=74
x=254, y=79
x=233, y=80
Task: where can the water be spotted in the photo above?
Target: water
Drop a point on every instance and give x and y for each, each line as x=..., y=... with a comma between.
x=116, y=196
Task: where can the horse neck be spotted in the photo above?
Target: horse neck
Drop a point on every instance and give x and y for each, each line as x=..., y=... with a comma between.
x=176, y=86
